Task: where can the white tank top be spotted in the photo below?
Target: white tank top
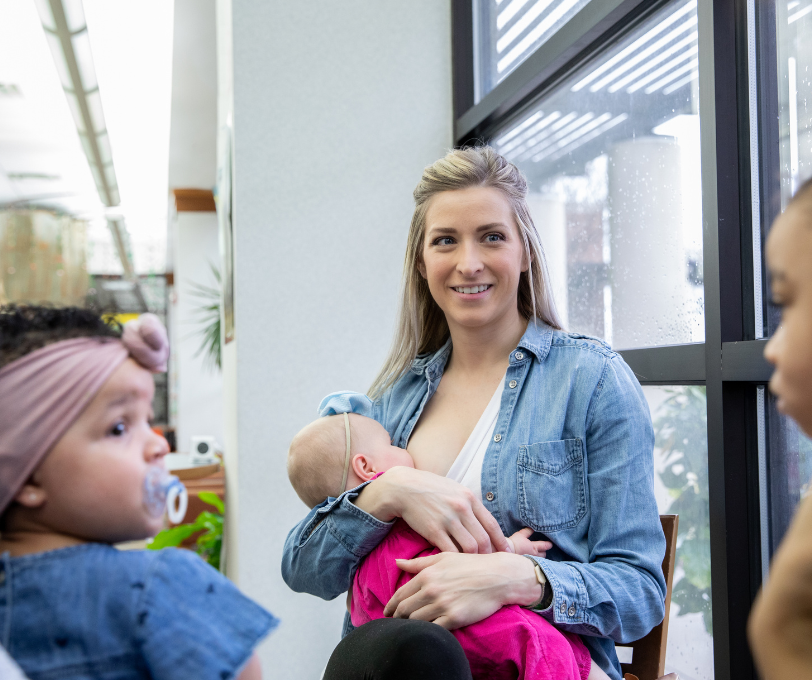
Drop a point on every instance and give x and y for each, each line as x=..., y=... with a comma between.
x=467, y=466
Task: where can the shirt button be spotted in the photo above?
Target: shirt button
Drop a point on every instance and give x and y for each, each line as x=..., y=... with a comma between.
x=497, y=438
x=571, y=611
x=563, y=607
x=512, y=384
x=489, y=496
x=519, y=356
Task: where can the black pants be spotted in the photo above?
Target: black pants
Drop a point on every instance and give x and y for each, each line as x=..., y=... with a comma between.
x=398, y=649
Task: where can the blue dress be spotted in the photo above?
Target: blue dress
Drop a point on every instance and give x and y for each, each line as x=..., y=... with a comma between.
x=92, y=611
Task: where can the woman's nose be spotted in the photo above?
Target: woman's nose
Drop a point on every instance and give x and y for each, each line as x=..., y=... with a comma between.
x=469, y=263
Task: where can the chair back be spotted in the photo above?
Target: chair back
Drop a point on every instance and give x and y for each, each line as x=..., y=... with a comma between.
x=646, y=656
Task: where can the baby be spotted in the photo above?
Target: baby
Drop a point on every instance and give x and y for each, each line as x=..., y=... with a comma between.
x=81, y=469
x=339, y=452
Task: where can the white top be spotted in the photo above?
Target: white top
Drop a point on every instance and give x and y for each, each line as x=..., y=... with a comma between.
x=467, y=467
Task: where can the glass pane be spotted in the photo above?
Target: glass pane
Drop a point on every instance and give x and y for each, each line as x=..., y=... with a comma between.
x=509, y=31
x=612, y=160
x=793, y=19
x=790, y=471
x=679, y=414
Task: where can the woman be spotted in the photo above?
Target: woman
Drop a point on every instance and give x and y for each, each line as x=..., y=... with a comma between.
x=569, y=453
x=780, y=626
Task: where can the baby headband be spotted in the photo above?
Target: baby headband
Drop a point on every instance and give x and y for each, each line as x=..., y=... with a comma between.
x=44, y=392
x=346, y=455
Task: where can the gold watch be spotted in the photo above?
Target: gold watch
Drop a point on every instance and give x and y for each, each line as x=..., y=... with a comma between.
x=542, y=581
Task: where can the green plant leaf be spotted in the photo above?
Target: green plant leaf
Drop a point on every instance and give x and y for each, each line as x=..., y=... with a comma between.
x=212, y=499
x=172, y=538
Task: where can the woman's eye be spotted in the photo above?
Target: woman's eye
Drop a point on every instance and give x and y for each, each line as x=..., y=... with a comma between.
x=444, y=241
x=494, y=238
x=118, y=429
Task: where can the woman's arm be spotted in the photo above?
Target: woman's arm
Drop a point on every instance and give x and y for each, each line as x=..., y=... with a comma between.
x=322, y=551
x=620, y=593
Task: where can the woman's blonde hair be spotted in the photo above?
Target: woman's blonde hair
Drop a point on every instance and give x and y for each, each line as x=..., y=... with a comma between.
x=422, y=326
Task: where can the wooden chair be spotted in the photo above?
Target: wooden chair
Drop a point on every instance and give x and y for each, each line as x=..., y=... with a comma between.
x=648, y=654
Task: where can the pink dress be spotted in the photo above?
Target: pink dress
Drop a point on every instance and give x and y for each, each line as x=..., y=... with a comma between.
x=511, y=644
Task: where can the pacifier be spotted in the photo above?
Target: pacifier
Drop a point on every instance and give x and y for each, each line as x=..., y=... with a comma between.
x=165, y=492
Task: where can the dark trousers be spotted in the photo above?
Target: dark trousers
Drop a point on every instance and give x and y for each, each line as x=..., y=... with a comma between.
x=398, y=649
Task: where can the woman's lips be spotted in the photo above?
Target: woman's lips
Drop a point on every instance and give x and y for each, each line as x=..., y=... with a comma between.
x=472, y=291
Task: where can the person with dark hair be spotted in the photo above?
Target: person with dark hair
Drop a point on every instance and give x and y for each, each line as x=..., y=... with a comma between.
x=80, y=470
x=780, y=626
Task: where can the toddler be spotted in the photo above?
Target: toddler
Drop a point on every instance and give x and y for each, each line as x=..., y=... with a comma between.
x=339, y=452
x=80, y=469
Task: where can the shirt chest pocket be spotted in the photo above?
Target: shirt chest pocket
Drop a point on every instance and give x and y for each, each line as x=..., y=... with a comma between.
x=551, y=483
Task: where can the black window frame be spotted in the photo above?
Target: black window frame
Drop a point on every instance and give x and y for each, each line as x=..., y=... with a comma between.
x=730, y=362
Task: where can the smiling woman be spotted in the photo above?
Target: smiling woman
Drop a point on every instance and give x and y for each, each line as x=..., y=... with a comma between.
x=567, y=449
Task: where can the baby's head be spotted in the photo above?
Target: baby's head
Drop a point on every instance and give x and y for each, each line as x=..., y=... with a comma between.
x=318, y=456
x=75, y=406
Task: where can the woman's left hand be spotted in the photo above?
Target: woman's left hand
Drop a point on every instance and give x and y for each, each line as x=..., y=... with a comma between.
x=457, y=589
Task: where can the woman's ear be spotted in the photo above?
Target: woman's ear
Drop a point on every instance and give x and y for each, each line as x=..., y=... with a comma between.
x=31, y=496
x=362, y=466
x=421, y=267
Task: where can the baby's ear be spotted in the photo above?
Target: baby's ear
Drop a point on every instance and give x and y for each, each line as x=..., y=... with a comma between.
x=31, y=496
x=362, y=466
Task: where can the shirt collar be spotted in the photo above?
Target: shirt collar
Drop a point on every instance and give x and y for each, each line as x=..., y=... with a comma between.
x=536, y=339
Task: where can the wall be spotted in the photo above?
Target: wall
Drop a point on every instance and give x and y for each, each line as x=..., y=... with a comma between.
x=198, y=388
x=337, y=107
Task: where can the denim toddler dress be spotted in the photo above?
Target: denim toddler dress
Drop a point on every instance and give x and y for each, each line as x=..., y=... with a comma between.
x=92, y=611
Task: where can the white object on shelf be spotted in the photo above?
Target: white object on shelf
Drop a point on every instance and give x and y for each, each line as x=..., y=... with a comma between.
x=202, y=450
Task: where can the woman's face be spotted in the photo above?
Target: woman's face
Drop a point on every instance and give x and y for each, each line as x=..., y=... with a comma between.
x=789, y=256
x=473, y=256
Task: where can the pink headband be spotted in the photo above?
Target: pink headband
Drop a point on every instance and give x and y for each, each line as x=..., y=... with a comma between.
x=44, y=392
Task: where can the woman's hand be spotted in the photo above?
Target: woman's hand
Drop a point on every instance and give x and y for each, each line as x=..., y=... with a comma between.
x=456, y=590
x=442, y=511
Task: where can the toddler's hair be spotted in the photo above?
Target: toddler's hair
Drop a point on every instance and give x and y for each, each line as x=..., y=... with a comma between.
x=316, y=459
x=25, y=328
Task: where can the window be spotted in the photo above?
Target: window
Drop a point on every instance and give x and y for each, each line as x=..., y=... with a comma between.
x=660, y=139
x=509, y=31
x=613, y=164
x=679, y=414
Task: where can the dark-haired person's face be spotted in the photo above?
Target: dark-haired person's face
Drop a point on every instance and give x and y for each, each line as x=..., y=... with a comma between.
x=789, y=257
x=473, y=256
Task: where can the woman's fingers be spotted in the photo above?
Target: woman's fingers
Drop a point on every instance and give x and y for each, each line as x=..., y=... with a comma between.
x=418, y=564
x=404, y=592
x=482, y=542
x=491, y=526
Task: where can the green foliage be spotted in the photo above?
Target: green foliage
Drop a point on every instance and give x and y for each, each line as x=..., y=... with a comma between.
x=208, y=316
x=680, y=430
x=210, y=542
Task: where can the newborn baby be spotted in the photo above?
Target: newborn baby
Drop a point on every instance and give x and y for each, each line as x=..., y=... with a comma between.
x=340, y=452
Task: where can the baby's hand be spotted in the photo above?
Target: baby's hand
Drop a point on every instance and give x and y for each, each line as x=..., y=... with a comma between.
x=522, y=545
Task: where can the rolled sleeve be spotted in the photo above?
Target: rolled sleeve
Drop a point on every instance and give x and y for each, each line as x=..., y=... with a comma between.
x=323, y=551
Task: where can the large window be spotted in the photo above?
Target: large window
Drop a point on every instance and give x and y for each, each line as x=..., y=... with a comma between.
x=660, y=139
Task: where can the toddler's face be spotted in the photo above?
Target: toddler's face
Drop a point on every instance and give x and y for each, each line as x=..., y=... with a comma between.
x=93, y=478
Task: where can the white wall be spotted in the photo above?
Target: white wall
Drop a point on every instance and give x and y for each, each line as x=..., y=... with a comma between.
x=198, y=388
x=337, y=107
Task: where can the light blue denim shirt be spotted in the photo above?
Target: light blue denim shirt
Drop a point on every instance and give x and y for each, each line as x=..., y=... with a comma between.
x=571, y=457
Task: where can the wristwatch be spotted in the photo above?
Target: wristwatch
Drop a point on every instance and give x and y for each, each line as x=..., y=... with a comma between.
x=546, y=597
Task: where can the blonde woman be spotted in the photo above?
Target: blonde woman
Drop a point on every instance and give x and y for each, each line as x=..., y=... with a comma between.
x=523, y=424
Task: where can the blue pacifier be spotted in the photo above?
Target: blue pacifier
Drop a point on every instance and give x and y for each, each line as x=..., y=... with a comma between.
x=165, y=492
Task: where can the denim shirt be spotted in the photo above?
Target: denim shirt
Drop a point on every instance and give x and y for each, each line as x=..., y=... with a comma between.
x=93, y=612
x=571, y=457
